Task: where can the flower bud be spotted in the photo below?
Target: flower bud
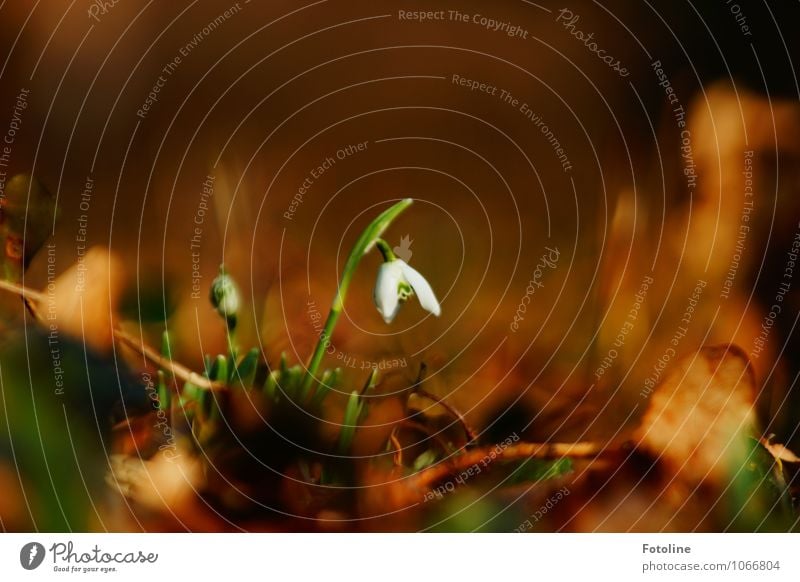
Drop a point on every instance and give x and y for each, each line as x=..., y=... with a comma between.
x=225, y=297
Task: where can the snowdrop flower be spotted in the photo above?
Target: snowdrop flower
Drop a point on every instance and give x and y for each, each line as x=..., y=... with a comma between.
x=225, y=297
x=397, y=281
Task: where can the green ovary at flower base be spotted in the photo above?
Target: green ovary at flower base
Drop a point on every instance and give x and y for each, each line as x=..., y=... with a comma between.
x=395, y=284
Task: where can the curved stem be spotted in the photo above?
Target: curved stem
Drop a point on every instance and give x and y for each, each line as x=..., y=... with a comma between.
x=364, y=244
x=386, y=250
x=468, y=431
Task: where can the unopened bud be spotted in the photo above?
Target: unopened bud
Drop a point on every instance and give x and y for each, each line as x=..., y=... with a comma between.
x=225, y=297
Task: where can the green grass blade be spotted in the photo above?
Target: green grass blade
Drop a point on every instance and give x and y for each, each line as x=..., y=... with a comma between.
x=350, y=422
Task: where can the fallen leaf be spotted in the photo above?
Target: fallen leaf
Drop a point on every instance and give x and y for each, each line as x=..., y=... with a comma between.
x=780, y=452
x=82, y=301
x=700, y=415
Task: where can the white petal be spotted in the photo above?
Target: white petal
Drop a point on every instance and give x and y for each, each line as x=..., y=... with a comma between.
x=385, y=295
x=422, y=289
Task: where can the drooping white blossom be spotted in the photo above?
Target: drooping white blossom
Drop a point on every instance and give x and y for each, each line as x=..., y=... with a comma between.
x=396, y=282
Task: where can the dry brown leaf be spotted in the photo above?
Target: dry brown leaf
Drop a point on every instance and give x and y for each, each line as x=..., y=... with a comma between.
x=165, y=481
x=778, y=451
x=82, y=300
x=698, y=418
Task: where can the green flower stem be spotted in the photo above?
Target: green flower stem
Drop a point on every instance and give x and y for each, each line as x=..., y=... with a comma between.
x=386, y=250
x=233, y=348
x=369, y=238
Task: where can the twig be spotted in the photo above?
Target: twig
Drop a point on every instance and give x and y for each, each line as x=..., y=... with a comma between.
x=176, y=369
x=23, y=292
x=420, y=391
x=425, y=479
x=398, y=449
x=471, y=436
x=31, y=297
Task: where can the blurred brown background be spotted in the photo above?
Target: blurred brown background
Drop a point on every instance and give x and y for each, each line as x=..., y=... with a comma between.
x=277, y=87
